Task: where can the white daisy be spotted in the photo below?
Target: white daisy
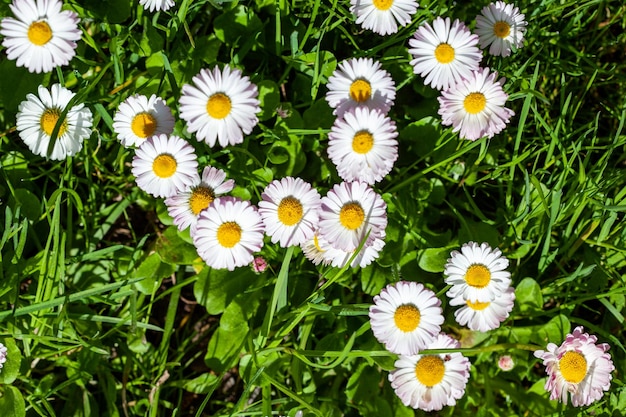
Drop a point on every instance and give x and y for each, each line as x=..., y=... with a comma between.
x=383, y=16
x=430, y=382
x=315, y=249
x=499, y=26
x=185, y=206
x=362, y=145
x=41, y=37
x=220, y=106
x=366, y=255
x=477, y=273
x=38, y=116
x=475, y=107
x=289, y=208
x=360, y=82
x=444, y=55
x=140, y=117
x=349, y=213
x=228, y=233
x=484, y=316
x=164, y=166
x=154, y=5
x=406, y=317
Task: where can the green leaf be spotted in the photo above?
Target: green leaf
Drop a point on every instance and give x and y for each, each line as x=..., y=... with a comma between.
x=28, y=202
x=433, y=259
x=553, y=331
x=528, y=295
x=215, y=289
x=269, y=96
x=11, y=368
x=15, y=84
x=204, y=384
x=373, y=279
x=173, y=249
x=152, y=270
x=11, y=402
x=227, y=341
x=240, y=22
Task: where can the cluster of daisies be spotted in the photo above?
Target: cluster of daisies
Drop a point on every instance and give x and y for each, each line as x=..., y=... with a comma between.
x=406, y=318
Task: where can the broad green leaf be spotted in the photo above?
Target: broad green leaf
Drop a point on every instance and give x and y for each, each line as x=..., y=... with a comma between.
x=374, y=278
x=11, y=402
x=227, y=341
x=553, y=331
x=173, y=249
x=204, y=384
x=269, y=97
x=15, y=84
x=215, y=289
x=152, y=270
x=11, y=368
x=528, y=295
x=433, y=259
x=240, y=22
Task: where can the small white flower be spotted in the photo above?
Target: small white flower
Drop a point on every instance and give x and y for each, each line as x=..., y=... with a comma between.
x=486, y=315
x=500, y=26
x=153, y=5
x=365, y=256
x=140, y=117
x=383, y=16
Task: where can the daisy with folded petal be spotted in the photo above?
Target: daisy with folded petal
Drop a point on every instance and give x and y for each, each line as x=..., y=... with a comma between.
x=140, y=117
x=366, y=255
x=500, y=26
x=351, y=212
x=220, y=106
x=289, y=208
x=228, y=233
x=185, y=206
x=383, y=16
x=360, y=82
x=475, y=107
x=38, y=116
x=315, y=250
x=164, y=166
x=362, y=144
x=430, y=382
x=578, y=368
x=484, y=316
x=477, y=273
x=444, y=54
x=154, y=5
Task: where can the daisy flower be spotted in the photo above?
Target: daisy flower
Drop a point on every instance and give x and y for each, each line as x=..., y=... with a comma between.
x=220, y=106
x=383, y=16
x=3, y=355
x=406, y=317
x=499, y=26
x=578, y=368
x=360, y=82
x=484, y=316
x=164, y=166
x=443, y=54
x=228, y=233
x=366, y=255
x=41, y=37
x=477, y=273
x=140, y=117
x=315, y=250
x=289, y=208
x=362, y=144
x=185, y=206
x=38, y=116
x=475, y=107
x=154, y=5
x=349, y=213
x=430, y=382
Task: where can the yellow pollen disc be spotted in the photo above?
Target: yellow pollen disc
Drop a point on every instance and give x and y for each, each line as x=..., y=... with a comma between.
x=201, y=198
x=363, y=142
x=289, y=211
x=444, y=53
x=351, y=215
x=474, y=103
x=143, y=125
x=164, y=166
x=229, y=234
x=382, y=4
x=407, y=317
x=49, y=119
x=501, y=29
x=477, y=305
x=360, y=90
x=218, y=106
x=478, y=276
x=39, y=33
x=430, y=370
x=573, y=366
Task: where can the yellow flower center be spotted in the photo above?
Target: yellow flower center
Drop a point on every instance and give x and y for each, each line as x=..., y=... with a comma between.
x=474, y=103
x=360, y=90
x=351, y=215
x=478, y=276
x=430, y=370
x=382, y=4
x=407, y=317
x=573, y=366
x=201, y=198
x=362, y=142
x=316, y=242
x=444, y=53
x=501, y=29
x=164, y=165
x=143, y=125
x=218, y=106
x=289, y=211
x=39, y=33
x=477, y=305
x=49, y=119
x=228, y=234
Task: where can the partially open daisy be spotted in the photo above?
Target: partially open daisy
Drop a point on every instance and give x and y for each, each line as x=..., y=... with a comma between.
x=220, y=106
x=228, y=233
x=475, y=106
x=289, y=208
x=430, y=382
x=500, y=26
x=185, y=206
x=360, y=82
x=140, y=117
x=363, y=257
x=41, y=37
x=164, y=166
x=39, y=115
x=578, y=368
x=315, y=249
x=444, y=54
x=383, y=16
x=153, y=5
x=351, y=212
x=363, y=146
x=406, y=317
x=486, y=315
x=477, y=273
